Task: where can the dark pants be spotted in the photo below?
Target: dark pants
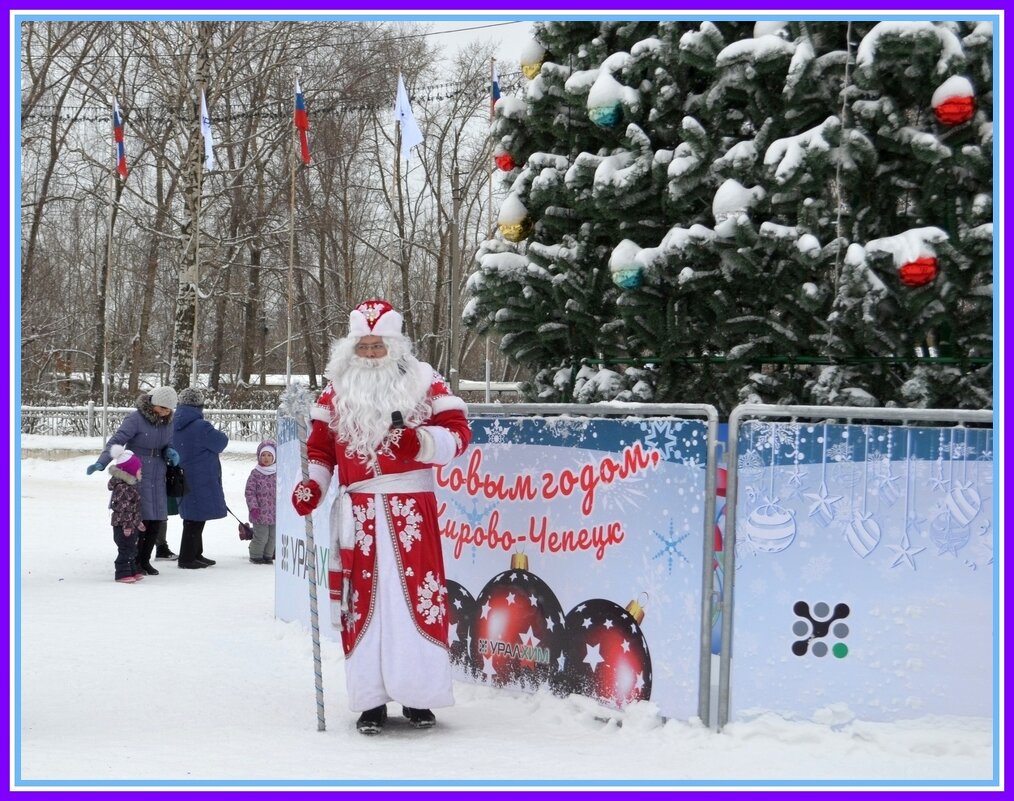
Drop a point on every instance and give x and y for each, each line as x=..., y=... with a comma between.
x=152, y=530
x=192, y=541
x=126, y=552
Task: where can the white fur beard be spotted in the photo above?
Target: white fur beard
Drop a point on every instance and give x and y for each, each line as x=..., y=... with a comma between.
x=367, y=391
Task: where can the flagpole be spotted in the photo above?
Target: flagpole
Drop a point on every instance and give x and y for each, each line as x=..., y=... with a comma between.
x=292, y=248
x=109, y=272
x=197, y=243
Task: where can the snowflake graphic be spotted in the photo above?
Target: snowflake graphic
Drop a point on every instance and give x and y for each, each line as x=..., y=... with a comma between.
x=622, y=496
x=564, y=428
x=960, y=450
x=751, y=463
x=660, y=435
x=497, y=434
x=775, y=435
x=816, y=568
x=670, y=546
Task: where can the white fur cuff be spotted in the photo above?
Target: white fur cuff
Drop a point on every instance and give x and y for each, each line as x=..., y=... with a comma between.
x=441, y=443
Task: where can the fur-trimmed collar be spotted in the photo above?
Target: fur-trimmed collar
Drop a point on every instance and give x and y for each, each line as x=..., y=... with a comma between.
x=147, y=410
x=122, y=475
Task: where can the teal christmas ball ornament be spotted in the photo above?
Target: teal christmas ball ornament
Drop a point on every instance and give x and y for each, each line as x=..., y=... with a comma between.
x=606, y=116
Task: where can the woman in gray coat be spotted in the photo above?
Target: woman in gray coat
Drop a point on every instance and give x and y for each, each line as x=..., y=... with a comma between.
x=148, y=432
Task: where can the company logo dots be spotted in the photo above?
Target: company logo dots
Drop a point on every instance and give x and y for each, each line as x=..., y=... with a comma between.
x=813, y=629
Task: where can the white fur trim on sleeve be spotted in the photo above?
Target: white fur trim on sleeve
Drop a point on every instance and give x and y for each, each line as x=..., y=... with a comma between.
x=321, y=475
x=440, y=441
x=322, y=413
x=446, y=403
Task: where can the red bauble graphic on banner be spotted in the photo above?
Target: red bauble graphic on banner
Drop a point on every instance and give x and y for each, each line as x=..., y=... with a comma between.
x=919, y=272
x=516, y=637
x=605, y=653
x=460, y=619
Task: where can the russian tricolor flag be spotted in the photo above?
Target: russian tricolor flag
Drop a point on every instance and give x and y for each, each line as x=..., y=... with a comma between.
x=121, y=151
x=302, y=123
x=496, y=90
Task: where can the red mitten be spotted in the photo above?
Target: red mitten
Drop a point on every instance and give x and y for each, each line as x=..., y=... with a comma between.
x=305, y=497
x=403, y=443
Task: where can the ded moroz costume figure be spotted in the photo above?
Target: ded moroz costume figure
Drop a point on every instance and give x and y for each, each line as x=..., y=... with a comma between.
x=383, y=423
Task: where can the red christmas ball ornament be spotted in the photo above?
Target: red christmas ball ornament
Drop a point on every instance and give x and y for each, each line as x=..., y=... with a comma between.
x=605, y=653
x=954, y=101
x=919, y=272
x=460, y=619
x=504, y=160
x=517, y=635
x=955, y=110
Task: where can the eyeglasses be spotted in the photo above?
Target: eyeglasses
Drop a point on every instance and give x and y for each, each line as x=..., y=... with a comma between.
x=376, y=347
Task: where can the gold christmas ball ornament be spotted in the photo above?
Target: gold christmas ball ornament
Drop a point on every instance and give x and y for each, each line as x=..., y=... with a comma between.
x=515, y=232
x=531, y=71
x=533, y=56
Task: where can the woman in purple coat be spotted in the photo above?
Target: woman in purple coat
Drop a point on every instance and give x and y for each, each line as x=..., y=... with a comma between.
x=199, y=444
x=148, y=432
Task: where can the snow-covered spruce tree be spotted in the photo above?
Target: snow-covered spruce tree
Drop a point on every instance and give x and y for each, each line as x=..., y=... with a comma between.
x=922, y=96
x=713, y=208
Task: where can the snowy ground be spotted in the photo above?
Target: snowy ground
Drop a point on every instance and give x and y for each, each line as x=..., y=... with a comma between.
x=188, y=680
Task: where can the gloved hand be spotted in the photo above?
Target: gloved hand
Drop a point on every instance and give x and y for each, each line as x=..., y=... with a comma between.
x=93, y=467
x=127, y=532
x=305, y=497
x=403, y=443
x=255, y=515
x=172, y=458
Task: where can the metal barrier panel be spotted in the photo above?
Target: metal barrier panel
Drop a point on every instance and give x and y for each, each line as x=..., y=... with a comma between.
x=577, y=549
x=864, y=581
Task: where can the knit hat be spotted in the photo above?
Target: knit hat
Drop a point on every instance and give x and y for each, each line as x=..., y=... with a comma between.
x=267, y=445
x=191, y=396
x=126, y=460
x=375, y=317
x=164, y=396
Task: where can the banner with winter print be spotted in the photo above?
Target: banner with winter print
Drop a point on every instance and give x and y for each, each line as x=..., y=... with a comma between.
x=573, y=549
x=573, y=552
x=865, y=583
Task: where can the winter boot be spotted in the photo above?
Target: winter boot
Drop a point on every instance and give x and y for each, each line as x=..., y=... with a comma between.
x=419, y=718
x=372, y=720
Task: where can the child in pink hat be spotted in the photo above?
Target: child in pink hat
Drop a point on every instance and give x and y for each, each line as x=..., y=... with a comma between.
x=124, y=473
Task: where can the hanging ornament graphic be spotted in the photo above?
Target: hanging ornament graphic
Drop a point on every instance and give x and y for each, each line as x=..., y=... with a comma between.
x=822, y=510
x=770, y=528
x=948, y=537
x=516, y=636
x=461, y=609
x=887, y=488
x=963, y=503
x=905, y=552
x=954, y=101
x=862, y=532
x=606, y=655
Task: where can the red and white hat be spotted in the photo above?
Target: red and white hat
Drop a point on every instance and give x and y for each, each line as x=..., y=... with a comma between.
x=375, y=318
